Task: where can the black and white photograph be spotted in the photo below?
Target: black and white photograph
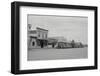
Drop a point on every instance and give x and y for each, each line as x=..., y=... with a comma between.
x=57, y=37
x=52, y=37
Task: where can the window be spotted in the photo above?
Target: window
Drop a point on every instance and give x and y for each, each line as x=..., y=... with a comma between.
x=45, y=35
x=42, y=36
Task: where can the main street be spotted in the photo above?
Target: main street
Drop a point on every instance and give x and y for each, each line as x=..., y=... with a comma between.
x=52, y=54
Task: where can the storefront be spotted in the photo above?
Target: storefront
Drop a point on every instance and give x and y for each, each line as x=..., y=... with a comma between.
x=37, y=38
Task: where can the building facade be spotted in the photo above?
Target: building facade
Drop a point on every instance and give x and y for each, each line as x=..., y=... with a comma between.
x=37, y=38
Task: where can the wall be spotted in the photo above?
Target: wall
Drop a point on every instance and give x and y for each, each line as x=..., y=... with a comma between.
x=5, y=39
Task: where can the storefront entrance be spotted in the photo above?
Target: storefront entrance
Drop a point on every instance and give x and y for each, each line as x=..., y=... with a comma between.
x=42, y=43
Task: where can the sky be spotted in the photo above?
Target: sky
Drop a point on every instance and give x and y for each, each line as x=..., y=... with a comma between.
x=69, y=27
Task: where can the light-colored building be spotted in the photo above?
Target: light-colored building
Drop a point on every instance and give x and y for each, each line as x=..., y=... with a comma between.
x=37, y=38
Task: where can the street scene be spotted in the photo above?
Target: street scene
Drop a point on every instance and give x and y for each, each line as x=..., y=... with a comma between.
x=44, y=42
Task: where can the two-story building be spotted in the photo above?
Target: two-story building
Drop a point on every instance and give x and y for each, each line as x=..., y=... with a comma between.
x=37, y=38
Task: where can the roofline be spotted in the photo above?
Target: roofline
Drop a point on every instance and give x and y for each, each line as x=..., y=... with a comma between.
x=41, y=29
